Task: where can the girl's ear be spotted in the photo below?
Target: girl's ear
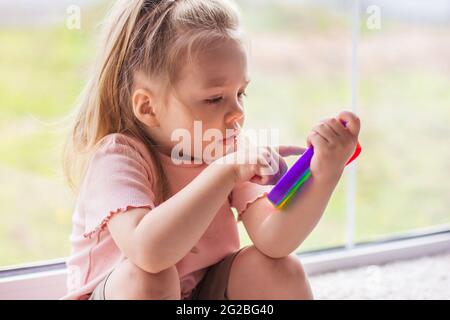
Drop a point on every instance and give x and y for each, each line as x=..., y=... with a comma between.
x=144, y=108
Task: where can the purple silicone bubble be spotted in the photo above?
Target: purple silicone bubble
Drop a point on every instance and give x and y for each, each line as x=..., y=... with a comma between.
x=290, y=178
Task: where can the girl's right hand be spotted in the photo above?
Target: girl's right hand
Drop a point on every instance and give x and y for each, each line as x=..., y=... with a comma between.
x=259, y=164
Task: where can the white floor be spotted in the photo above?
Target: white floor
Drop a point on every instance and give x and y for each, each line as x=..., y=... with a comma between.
x=423, y=278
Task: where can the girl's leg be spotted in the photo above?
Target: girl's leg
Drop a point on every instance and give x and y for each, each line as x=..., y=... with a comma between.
x=128, y=281
x=253, y=275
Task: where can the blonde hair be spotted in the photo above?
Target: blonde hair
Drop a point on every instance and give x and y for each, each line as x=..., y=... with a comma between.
x=152, y=37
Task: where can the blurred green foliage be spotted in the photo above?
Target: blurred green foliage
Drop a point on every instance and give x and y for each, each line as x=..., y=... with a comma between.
x=300, y=74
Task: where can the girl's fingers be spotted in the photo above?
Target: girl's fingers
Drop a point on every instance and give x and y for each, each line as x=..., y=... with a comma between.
x=256, y=179
x=351, y=121
x=243, y=141
x=274, y=162
x=260, y=170
x=316, y=140
x=308, y=141
x=278, y=164
x=262, y=161
x=337, y=126
x=262, y=174
x=326, y=132
x=285, y=151
x=268, y=167
x=339, y=130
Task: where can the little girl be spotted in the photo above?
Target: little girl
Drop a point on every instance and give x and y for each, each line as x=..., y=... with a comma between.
x=146, y=226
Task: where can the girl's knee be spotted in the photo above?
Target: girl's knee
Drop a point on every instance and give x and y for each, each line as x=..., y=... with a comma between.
x=291, y=267
x=285, y=276
x=286, y=267
x=290, y=272
x=129, y=281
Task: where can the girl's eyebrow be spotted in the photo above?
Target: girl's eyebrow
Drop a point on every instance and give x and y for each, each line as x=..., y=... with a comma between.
x=220, y=81
x=215, y=82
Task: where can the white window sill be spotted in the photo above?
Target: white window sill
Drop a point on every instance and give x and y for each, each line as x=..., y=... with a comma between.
x=51, y=284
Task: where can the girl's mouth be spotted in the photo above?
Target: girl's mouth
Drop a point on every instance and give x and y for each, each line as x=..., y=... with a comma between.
x=229, y=140
x=232, y=137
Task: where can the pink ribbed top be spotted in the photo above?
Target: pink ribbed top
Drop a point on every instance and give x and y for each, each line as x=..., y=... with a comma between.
x=119, y=177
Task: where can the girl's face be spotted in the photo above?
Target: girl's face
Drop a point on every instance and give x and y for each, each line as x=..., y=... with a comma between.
x=209, y=91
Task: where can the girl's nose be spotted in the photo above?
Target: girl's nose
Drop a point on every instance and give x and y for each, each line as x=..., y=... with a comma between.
x=232, y=119
x=234, y=115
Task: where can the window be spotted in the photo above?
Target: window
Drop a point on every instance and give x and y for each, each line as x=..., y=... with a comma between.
x=404, y=81
x=42, y=66
x=303, y=56
x=300, y=66
x=390, y=61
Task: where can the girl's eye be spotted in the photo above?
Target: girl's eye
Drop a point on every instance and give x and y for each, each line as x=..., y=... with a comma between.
x=241, y=94
x=217, y=100
x=214, y=100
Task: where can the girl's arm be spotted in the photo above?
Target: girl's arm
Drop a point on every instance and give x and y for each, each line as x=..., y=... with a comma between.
x=157, y=240
x=278, y=233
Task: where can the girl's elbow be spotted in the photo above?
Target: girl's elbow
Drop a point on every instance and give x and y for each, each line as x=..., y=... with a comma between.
x=147, y=257
x=275, y=249
x=272, y=251
x=150, y=263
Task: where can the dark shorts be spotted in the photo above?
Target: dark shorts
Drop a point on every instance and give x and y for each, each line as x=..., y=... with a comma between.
x=213, y=286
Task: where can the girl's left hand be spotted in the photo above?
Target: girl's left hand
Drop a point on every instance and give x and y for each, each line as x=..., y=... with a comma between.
x=333, y=144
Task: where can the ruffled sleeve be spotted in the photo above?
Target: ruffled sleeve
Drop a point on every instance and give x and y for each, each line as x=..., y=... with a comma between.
x=117, y=179
x=245, y=194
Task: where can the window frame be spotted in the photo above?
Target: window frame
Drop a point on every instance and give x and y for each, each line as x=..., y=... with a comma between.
x=47, y=279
